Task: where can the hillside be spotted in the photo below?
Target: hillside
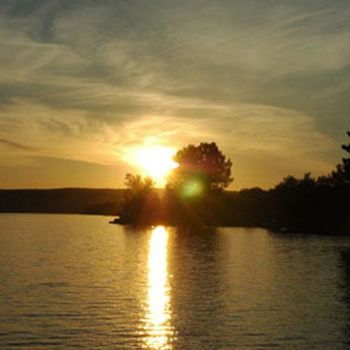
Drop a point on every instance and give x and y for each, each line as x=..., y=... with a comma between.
x=65, y=200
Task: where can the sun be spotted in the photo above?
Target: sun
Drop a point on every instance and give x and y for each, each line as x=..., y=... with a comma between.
x=153, y=161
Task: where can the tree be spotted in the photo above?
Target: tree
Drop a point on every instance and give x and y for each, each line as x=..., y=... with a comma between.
x=342, y=173
x=138, y=185
x=201, y=168
x=140, y=202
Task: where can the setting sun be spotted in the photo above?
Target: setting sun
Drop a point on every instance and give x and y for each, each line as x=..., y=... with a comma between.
x=154, y=161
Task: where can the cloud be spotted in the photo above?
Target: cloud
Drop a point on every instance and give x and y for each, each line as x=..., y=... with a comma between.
x=15, y=145
x=50, y=172
x=83, y=80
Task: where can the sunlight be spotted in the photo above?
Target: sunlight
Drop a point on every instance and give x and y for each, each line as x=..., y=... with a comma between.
x=153, y=161
x=158, y=315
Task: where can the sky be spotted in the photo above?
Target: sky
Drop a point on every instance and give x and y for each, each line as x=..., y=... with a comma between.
x=82, y=81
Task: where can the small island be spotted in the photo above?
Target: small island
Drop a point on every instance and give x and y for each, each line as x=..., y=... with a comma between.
x=195, y=195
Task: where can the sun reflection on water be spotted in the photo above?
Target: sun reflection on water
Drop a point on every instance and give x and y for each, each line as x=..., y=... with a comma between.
x=159, y=330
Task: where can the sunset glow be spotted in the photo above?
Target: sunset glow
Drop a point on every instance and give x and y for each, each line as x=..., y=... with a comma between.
x=79, y=88
x=153, y=161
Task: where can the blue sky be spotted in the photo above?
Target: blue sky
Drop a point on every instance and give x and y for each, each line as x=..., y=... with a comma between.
x=81, y=81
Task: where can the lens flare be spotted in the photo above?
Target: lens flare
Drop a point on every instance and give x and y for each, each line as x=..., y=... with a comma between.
x=192, y=188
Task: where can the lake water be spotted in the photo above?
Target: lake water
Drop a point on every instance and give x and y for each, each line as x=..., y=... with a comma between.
x=77, y=282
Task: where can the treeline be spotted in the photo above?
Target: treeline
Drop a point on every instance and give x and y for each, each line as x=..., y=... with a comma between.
x=295, y=205
x=66, y=200
x=195, y=196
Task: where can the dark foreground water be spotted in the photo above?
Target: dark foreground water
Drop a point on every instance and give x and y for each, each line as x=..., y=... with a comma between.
x=77, y=282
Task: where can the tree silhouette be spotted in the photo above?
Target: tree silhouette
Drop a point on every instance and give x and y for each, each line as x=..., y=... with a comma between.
x=342, y=173
x=141, y=203
x=136, y=184
x=201, y=168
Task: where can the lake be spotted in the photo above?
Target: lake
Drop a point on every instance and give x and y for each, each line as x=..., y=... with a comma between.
x=78, y=282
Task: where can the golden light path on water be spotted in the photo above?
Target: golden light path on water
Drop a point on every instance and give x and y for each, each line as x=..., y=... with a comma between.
x=159, y=330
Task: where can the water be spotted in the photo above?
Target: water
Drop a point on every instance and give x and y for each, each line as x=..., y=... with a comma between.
x=77, y=282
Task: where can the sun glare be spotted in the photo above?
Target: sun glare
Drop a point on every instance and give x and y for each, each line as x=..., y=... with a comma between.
x=154, y=161
x=158, y=312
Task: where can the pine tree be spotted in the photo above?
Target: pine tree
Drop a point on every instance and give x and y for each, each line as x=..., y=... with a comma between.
x=342, y=174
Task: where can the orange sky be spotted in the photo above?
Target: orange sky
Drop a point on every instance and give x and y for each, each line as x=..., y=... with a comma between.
x=81, y=85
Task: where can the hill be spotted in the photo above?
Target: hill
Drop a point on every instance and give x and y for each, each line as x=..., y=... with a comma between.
x=65, y=200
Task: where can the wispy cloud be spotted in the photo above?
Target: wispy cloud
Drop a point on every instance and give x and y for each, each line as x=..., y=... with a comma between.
x=15, y=145
x=83, y=80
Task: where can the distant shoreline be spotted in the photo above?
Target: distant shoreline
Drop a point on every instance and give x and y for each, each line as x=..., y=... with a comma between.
x=271, y=229
x=62, y=201
x=247, y=208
